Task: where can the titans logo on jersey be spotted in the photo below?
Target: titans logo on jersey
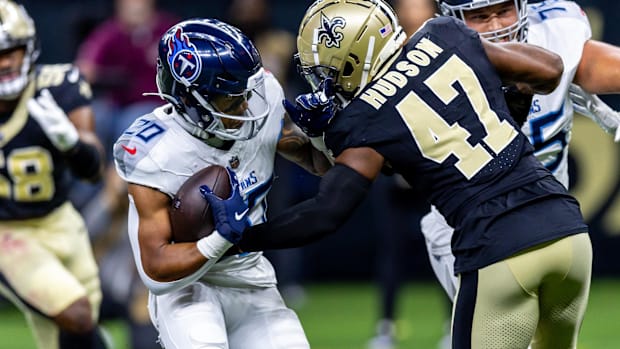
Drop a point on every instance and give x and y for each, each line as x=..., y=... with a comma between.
x=34, y=177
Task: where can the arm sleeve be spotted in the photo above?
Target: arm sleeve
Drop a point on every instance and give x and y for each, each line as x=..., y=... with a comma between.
x=341, y=191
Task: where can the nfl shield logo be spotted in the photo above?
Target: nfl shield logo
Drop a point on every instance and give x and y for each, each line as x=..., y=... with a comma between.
x=234, y=162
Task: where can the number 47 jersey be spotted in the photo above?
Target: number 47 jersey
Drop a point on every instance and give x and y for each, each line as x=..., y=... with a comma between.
x=439, y=118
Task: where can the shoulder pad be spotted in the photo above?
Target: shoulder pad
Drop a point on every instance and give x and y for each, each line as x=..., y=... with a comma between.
x=65, y=83
x=134, y=145
x=555, y=9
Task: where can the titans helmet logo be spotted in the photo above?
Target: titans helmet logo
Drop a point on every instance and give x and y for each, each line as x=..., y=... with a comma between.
x=183, y=59
x=329, y=31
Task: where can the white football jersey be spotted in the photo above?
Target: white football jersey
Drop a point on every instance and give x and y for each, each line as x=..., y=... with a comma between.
x=155, y=151
x=561, y=27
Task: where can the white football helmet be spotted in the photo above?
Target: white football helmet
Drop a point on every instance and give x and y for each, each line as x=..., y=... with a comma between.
x=514, y=32
x=17, y=30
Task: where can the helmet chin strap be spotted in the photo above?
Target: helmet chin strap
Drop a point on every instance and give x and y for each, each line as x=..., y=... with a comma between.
x=201, y=134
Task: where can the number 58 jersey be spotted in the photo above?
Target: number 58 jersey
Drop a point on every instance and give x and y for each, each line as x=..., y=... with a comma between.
x=438, y=117
x=34, y=176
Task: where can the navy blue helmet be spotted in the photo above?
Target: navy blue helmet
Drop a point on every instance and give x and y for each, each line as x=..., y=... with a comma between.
x=204, y=59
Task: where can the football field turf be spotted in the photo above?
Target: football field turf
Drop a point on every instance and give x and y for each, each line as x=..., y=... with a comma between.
x=343, y=316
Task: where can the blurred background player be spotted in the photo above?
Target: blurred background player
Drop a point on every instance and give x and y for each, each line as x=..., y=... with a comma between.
x=117, y=57
x=561, y=27
x=224, y=109
x=47, y=131
x=394, y=208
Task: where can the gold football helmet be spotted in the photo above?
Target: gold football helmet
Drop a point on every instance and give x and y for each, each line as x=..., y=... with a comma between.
x=17, y=30
x=347, y=40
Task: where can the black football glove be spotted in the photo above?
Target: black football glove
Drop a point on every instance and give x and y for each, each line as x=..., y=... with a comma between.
x=519, y=103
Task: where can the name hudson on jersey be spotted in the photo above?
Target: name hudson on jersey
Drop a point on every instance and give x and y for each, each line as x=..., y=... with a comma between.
x=425, y=50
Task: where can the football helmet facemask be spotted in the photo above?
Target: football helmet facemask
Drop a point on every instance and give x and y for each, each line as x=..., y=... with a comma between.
x=17, y=30
x=347, y=40
x=201, y=61
x=514, y=32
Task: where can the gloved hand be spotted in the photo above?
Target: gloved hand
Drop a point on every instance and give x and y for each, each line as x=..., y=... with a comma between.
x=53, y=120
x=591, y=106
x=229, y=214
x=518, y=103
x=312, y=111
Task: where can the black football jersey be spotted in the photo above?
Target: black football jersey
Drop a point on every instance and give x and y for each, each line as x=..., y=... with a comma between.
x=439, y=118
x=34, y=176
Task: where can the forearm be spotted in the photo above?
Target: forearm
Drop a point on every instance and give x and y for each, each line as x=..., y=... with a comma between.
x=532, y=68
x=599, y=68
x=296, y=147
x=341, y=191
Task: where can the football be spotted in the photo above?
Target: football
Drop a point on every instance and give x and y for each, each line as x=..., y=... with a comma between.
x=190, y=215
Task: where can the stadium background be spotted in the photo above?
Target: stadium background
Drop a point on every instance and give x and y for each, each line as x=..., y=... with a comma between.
x=351, y=255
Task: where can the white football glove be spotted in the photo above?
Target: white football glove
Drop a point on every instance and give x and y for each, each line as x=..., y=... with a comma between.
x=594, y=108
x=53, y=120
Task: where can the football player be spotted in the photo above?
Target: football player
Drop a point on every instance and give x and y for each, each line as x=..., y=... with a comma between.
x=224, y=109
x=434, y=112
x=47, y=267
x=561, y=27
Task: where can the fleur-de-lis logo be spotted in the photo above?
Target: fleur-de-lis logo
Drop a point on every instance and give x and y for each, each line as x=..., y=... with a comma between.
x=329, y=31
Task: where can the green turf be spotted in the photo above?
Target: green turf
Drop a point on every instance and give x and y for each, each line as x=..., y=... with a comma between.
x=342, y=316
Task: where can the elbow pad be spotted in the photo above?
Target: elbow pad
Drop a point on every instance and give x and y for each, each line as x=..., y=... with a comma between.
x=341, y=191
x=85, y=161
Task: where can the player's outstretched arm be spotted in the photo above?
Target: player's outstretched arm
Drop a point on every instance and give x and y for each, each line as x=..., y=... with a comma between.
x=341, y=190
x=531, y=68
x=599, y=69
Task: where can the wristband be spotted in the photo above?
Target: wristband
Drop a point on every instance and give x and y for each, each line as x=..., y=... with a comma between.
x=213, y=246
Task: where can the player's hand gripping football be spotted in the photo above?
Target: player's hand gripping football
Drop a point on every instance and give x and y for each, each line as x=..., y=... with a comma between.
x=312, y=111
x=229, y=215
x=53, y=120
x=593, y=107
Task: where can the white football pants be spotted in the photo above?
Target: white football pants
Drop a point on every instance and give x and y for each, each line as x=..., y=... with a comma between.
x=203, y=316
x=438, y=236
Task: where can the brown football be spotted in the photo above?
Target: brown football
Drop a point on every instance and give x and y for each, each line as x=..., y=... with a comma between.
x=190, y=214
